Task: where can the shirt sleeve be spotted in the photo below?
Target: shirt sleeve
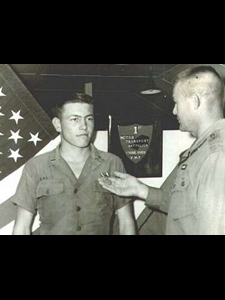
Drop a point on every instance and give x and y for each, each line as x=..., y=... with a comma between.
x=211, y=196
x=120, y=202
x=25, y=195
x=159, y=198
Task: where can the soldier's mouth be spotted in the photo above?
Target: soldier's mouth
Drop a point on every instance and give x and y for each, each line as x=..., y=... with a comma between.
x=81, y=135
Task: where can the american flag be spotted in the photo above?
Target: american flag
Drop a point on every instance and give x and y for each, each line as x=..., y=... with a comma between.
x=25, y=130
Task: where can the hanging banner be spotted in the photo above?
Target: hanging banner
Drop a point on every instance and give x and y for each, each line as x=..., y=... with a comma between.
x=139, y=146
x=135, y=141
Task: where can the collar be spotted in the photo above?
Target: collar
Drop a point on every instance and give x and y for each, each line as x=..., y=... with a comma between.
x=55, y=155
x=95, y=153
x=96, y=156
x=209, y=133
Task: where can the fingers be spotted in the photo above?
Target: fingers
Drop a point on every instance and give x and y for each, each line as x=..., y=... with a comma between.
x=106, y=184
x=121, y=175
x=109, y=188
x=109, y=181
x=104, y=181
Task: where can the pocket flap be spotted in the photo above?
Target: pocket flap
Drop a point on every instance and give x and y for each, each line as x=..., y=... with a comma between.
x=181, y=214
x=48, y=188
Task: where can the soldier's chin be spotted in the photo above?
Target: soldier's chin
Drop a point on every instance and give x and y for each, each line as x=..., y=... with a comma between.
x=84, y=145
x=183, y=129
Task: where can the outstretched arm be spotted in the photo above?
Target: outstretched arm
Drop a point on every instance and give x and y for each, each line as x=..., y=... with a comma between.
x=125, y=185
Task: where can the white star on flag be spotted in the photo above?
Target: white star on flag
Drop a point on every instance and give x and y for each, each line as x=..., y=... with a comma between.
x=1, y=114
x=15, y=154
x=1, y=93
x=15, y=136
x=34, y=138
x=16, y=116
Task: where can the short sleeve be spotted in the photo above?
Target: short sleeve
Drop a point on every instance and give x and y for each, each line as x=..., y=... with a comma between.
x=25, y=195
x=159, y=198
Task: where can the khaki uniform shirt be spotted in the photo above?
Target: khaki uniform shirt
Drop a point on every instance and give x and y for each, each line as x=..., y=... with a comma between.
x=67, y=205
x=194, y=194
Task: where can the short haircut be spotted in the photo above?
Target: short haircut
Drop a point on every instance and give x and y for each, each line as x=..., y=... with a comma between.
x=78, y=98
x=192, y=72
x=195, y=73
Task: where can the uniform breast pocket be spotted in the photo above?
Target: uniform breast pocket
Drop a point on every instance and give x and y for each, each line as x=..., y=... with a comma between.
x=183, y=202
x=104, y=200
x=50, y=200
x=182, y=213
x=180, y=185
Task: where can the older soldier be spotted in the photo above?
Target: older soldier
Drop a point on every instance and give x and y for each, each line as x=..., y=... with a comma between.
x=194, y=194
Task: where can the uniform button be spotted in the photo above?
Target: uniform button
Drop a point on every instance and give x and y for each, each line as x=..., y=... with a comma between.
x=75, y=191
x=184, y=167
x=213, y=136
x=47, y=192
x=78, y=228
x=183, y=183
x=78, y=208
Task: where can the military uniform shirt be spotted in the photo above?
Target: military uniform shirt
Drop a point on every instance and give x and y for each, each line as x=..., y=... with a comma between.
x=67, y=205
x=194, y=194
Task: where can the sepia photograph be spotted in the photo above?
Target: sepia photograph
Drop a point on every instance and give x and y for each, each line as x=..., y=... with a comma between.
x=112, y=149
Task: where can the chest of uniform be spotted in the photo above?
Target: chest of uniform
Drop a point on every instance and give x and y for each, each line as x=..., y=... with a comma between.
x=188, y=170
x=184, y=200
x=65, y=188
x=77, y=168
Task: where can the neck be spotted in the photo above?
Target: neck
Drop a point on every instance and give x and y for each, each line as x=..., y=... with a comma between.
x=207, y=124
x=74, y=154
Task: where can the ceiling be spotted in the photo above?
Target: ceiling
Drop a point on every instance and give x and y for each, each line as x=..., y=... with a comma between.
x=116, y=88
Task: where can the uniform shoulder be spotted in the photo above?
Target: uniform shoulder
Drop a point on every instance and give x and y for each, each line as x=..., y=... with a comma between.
x=38, y=160
x=108, y=156
x=216, y=141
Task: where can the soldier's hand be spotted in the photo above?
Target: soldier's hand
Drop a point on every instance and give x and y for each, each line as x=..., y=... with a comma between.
x=122, y=185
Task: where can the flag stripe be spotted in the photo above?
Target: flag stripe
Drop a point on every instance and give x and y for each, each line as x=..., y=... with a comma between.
x=8, y=185
x=7, y=218
x=7, y=229
x=7, y=213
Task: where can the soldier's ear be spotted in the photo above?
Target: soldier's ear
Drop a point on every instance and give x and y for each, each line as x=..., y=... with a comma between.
x=196, y=102
x=57, y=124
